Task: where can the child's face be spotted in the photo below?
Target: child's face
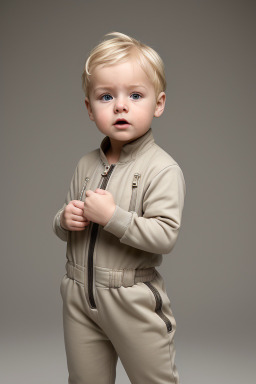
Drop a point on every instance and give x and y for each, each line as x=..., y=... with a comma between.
x=123, y=91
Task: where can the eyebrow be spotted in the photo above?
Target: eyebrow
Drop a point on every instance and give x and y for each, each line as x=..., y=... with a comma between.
x=110, y=87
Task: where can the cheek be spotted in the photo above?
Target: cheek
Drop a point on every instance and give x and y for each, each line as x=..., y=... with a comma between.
x=145, y=114
x=101, y=115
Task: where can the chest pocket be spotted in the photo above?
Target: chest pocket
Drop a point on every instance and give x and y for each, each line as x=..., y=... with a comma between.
x=135, y=184
x=81, y=196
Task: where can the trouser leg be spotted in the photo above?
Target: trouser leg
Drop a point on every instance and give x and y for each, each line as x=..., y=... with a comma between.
x=139, y=335
x=91, y=357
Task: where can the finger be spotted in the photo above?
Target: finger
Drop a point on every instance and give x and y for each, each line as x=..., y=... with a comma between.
x=89, y=193
x=77, y=229
x=78, y=203
x=78, y=218
x=77, y=224
x=100, y=191
x=77, y=211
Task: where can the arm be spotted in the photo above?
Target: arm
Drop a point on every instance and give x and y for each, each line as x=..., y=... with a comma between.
x=56, y=226
x=71, y=195
x=157, y=230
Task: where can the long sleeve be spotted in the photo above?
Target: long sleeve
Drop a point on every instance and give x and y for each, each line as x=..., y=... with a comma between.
x=71, y=195
x=157, y=230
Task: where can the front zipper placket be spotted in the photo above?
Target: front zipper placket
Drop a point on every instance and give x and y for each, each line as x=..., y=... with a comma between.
x=103, y=184
x=159, y=304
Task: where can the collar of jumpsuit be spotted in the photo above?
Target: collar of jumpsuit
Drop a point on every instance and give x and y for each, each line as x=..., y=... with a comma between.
x=129, y=151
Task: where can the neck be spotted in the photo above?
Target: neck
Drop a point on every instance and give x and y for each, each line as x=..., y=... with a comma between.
x=116, y=147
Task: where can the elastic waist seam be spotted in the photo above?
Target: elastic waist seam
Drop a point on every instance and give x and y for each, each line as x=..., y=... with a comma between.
x=112, y=278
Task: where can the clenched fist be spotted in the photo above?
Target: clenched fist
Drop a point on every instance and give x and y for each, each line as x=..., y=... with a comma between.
x=72, y=218
x=99, y=206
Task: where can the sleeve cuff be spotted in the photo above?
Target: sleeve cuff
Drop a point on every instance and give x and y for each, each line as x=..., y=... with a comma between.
x=59, y=224
x=57, y=228
x=119, y=222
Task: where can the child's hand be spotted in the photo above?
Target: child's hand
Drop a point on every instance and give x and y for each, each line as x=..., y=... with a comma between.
x=72, y=218
x=99, y=206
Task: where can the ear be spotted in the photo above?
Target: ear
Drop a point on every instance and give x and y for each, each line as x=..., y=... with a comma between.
x=160, y=104
x=89, y=108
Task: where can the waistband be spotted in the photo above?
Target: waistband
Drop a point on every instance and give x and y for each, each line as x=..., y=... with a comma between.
x=112, y=278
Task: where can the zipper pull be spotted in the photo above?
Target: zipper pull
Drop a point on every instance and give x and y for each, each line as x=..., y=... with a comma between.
x=84, y=186
x=107, y=167
x=136, y=177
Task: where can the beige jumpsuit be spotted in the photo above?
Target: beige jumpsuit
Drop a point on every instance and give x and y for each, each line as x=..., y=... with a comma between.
x=115, y=302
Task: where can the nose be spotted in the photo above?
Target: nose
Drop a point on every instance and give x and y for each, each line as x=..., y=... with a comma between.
x=120, y=105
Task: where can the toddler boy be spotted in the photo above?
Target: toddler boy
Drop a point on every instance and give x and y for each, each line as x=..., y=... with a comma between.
x=123, y=211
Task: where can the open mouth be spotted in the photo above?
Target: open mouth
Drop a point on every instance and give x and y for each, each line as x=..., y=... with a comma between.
x=121, y=122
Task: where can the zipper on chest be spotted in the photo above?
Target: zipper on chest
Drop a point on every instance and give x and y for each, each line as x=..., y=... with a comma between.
x=135, y=183
x=103, y=184
x=83, y=189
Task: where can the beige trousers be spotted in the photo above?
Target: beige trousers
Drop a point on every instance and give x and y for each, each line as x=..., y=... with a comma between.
x=134, y=323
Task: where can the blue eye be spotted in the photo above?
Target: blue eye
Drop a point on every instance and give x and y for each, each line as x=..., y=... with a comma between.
x=106, y=97
x=136, y=94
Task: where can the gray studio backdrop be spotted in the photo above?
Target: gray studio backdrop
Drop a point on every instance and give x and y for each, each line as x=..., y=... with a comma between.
x=208, y=126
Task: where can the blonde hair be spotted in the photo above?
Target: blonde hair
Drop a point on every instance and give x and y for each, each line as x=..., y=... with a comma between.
x=119, y=49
